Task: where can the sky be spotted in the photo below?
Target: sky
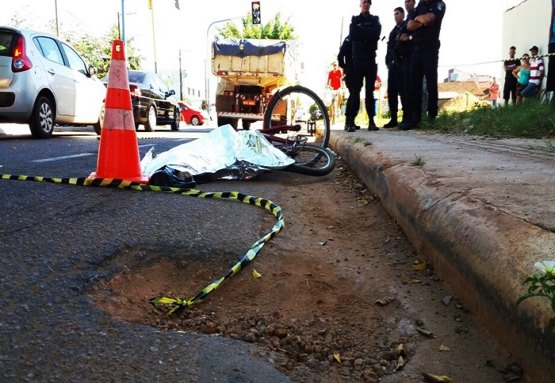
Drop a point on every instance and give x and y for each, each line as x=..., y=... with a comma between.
x=471, y=30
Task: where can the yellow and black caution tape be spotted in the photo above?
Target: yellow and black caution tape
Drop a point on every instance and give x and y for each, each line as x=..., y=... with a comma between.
x=177, y=304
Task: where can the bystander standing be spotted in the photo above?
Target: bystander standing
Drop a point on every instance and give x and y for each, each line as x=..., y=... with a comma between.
x=536, y=74
x=510, y=85
x=335, y=83
x=522, y=75
x=494, y=93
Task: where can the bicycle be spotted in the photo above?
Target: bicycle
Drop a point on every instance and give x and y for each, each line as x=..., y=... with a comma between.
x=310, y=159
x=299, y=108
x=286, y=113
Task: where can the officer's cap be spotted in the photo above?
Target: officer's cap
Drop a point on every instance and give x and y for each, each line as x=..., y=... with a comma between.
x=534, y=48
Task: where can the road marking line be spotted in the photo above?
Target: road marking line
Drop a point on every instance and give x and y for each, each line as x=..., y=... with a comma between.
x=64, y=157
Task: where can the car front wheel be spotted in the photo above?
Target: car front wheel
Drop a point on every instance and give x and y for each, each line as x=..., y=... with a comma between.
x=100, y=123
x=195, y=121
x=42, y=118
x=150, y=123
x=175, y=123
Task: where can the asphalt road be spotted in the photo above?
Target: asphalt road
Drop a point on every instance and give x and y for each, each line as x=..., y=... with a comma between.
x=57, y=241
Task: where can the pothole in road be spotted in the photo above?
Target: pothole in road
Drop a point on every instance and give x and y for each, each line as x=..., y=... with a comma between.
x=338, y=298
x=302, y=315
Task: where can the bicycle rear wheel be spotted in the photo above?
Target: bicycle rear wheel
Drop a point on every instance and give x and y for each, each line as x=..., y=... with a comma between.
x=300, y=107
x=312, y=160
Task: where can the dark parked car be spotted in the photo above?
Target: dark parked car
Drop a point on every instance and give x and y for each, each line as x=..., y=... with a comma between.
x=153, y=101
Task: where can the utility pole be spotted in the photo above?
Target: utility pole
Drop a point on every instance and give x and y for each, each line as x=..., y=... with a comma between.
x=122, y=21
x=341, y=34
x=180, y=78
x=57, y=22
x=151, y=7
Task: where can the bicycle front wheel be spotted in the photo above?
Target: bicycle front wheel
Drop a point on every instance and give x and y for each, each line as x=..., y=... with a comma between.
x=299, y=111
x=312, y=160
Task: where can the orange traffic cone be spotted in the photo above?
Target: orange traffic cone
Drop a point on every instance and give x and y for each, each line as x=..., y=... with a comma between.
x=118, y=154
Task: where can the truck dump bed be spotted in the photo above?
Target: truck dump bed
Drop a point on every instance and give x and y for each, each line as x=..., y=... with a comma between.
x=252, y=61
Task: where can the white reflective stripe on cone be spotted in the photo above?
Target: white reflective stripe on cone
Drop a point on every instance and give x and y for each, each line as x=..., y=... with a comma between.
x=118, y=119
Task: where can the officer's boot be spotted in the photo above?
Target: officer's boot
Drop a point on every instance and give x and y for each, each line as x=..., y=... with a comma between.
x=393, y=122
x=371, y=124
x=406, y=120
x=350, y=125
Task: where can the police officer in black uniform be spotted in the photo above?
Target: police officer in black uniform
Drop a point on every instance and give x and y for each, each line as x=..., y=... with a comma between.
x=425, y=25
x=403, y=51
x=344, y=60
x=394, y=68
x=365, y=30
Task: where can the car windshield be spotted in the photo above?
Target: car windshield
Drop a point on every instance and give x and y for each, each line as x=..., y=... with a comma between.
x=136, y=76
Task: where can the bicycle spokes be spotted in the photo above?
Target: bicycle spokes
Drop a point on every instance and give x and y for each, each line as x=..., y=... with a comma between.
x=297, y=108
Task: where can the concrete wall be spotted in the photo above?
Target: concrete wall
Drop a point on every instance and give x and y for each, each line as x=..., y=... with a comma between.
x=526, y=24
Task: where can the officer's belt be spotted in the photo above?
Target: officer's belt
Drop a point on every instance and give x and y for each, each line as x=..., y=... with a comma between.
x=364, y=55
x=426, y=47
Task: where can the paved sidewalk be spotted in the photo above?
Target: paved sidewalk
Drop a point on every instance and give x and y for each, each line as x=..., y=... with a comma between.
x=481, y=210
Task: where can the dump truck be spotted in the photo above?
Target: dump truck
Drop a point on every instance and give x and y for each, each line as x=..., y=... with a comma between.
x=249, y=71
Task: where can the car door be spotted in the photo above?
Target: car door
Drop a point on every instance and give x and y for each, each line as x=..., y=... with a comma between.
x=60, y=77
x=165, y=108
x=89, y=91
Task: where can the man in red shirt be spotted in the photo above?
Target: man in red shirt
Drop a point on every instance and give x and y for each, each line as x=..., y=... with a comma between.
x=335, y=82
x=335, y=77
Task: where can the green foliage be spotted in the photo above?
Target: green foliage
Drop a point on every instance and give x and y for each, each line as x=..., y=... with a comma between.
x=273, y=29
x=542, y=284
x=97, y=52
x=418, y=161
x=363, y=141
x=531, y=119
x=546, y=147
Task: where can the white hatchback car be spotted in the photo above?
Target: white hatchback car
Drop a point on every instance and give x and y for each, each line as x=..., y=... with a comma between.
x=44, y=81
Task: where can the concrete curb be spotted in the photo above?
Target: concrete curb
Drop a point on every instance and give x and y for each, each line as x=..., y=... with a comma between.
x=483, y=252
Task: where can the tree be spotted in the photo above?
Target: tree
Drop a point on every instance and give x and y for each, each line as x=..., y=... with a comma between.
x=273, y=29
x=97, y=51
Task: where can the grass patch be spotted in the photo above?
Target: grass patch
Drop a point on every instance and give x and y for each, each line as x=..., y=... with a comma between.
x=418, y=161
x=527, y=120
x=363, y=141
x=546, y=147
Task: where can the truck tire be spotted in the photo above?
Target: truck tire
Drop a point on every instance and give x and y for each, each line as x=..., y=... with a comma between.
x=227, y=120
x=246, y=124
